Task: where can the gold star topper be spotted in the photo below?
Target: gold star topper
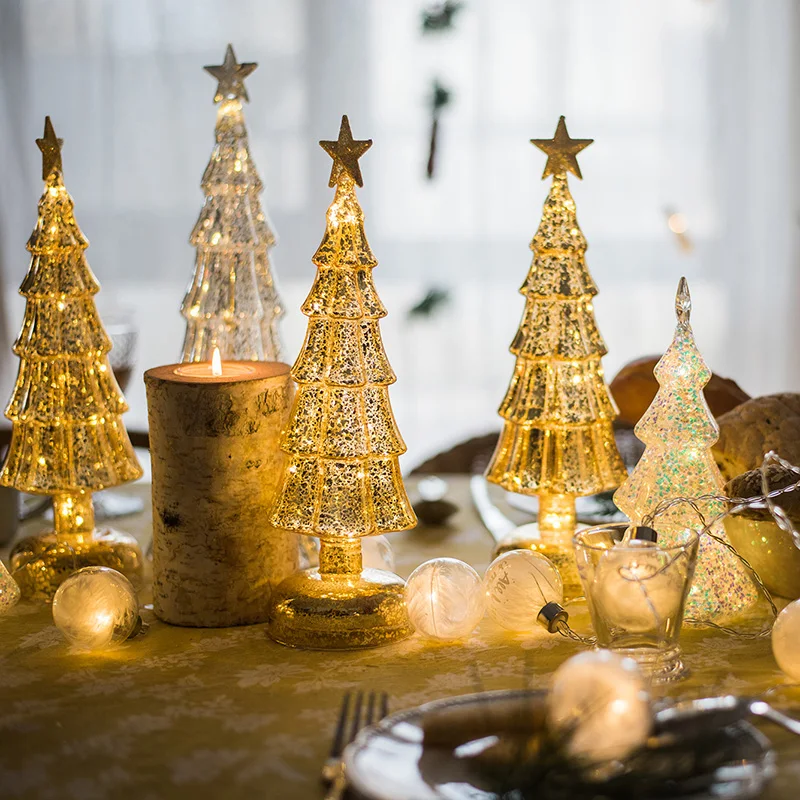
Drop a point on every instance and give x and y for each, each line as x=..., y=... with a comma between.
x=51, y=150
x=230, y=76
x=345, y=152
x=561, y=152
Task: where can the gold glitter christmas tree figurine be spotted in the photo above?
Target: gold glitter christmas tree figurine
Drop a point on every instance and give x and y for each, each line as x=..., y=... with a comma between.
x=557, y=440
x=342, y=479
x=68, y=439
x=678, y=431
x=232, y=302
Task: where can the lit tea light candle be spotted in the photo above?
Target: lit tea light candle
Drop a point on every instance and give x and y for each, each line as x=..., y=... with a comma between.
x=216, y=369
x=214, y=445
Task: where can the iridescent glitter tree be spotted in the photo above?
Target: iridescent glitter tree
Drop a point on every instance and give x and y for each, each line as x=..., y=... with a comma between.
x=342, y=479
x=557, y=440
x=232, y=302
x=679, y=430
x=68, y=439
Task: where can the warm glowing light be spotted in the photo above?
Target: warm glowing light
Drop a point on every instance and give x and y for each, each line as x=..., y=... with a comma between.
x=96, y=608
x=215, y=368
x=677, y=223
x=445, y=599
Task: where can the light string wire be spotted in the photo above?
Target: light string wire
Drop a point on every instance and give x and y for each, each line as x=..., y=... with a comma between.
x=733, y=505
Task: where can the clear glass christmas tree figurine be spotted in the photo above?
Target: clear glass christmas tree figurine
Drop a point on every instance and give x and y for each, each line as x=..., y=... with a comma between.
x=232, y=302
x=68, y=439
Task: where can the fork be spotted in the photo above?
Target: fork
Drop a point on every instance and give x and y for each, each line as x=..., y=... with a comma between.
x=347, y=727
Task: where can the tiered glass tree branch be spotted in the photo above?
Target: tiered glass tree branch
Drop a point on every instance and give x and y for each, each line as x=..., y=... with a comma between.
x=557, y=440
x=232, y=302
x=68, y=439
x=343, y=478
x=679, y=430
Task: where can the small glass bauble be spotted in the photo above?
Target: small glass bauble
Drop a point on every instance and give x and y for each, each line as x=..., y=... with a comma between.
x=635, y=587
x=9, y=591
x=96, y=608
x=786, y=640
x=599, y=703
x=445, y=599
x=517, y=585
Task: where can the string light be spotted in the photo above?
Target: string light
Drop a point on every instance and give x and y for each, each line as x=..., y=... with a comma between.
x=599, y=705
x=444, y=598
x=96, y=608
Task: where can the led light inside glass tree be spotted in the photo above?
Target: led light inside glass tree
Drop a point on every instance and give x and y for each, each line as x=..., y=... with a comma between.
x=232, y=302
x=678, y=431
x=557, y=440
x=342, y=480
x=68, y=439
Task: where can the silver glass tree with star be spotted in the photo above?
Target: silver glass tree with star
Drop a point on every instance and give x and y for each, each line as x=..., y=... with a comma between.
x=232, y=303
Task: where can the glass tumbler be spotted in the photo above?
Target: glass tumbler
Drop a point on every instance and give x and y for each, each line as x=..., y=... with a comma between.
x=636, y=592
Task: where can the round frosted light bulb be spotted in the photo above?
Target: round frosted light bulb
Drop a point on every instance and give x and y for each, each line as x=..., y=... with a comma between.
x=599, y=703
x=96, y=608
x=786, y=640
x=517, y=585
x=633, y=591
x=444, y=598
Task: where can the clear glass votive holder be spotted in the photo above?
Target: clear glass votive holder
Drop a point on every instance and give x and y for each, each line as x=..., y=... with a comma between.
x=636, y=592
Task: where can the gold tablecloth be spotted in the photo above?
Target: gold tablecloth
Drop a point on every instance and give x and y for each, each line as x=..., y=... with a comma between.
x=228, y=714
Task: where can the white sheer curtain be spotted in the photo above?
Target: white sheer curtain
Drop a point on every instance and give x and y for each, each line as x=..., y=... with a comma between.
x=691, y=104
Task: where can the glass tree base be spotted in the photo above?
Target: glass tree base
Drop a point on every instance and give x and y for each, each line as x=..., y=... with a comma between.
x=40, y=563
x=317, y=611
x=659, y=666
x=562, y=556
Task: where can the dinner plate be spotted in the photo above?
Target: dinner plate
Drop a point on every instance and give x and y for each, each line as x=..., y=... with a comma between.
x=430, y=752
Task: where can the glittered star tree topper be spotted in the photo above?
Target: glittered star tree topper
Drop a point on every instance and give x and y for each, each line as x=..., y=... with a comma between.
x=232, y=303
x=342, y=480
x=557, y=440
x=678, y=431
x=68, y=439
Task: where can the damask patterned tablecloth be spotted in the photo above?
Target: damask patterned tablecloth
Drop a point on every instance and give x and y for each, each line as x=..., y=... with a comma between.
x=227, y=713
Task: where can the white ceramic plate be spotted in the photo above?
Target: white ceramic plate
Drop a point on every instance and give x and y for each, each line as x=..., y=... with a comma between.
x=391, y=762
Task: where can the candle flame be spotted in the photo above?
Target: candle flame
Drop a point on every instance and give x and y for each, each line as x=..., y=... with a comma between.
x=216, y=363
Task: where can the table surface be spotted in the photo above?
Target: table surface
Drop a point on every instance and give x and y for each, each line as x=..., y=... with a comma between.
x=227, y=713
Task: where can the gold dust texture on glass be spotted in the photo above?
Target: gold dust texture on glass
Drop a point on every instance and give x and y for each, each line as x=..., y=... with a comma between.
x=66, y=405
x=232, y=302
x=678, y=430
x=343, y=476
x=41, y=563
x=557, y=436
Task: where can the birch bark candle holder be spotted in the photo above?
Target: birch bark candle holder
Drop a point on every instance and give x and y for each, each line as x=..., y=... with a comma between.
x=214, y=446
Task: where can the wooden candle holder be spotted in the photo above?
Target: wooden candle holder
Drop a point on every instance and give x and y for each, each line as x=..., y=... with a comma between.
x=217, y=463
